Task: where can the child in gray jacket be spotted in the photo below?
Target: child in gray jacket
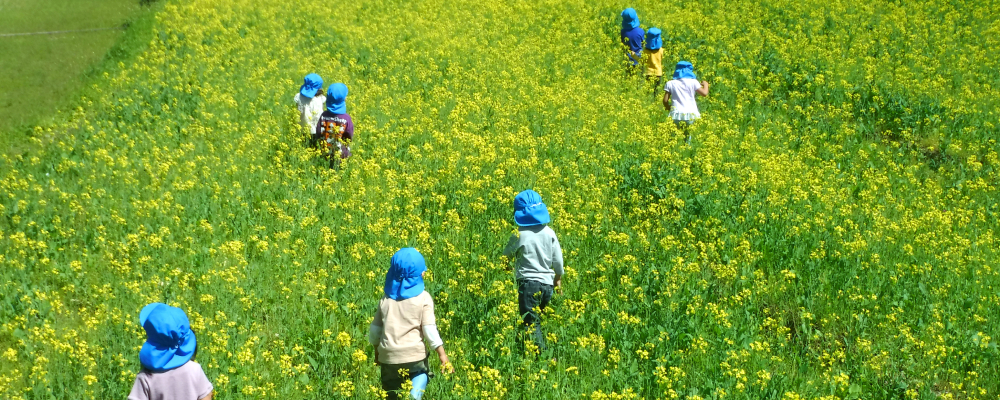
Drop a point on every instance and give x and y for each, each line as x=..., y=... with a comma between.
x=538, y=260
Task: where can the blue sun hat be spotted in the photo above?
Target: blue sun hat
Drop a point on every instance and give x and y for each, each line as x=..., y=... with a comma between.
x=630, y=20
x=312, y=83
x=529, y=209
x=654, y=40
x=336, y=97
x=403, y=280
x=169, y=340
x=684, y=70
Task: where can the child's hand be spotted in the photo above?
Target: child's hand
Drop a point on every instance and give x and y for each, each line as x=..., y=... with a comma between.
x=558, y=285
x=446, y=367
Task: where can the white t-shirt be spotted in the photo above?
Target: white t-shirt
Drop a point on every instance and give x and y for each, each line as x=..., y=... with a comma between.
x=682, y=92
x=309, y=110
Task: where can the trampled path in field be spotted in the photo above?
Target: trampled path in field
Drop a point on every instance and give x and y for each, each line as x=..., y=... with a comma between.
x=828, y=234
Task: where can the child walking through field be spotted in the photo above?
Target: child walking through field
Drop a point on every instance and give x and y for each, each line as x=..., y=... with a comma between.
x=631, y=36
x=310, y=102
x=538, y=261
x=403, y=321
x=168, y=369
x=679, y=96
x=653, y=54
x=335, y=127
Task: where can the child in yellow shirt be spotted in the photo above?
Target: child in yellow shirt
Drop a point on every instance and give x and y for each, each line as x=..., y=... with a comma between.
x=653, y=54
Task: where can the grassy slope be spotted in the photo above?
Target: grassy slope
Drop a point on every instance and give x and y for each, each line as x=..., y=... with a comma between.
x=808, y=243
x=42, y=73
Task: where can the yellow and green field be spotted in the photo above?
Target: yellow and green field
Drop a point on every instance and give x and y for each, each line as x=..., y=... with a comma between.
x=830, y=233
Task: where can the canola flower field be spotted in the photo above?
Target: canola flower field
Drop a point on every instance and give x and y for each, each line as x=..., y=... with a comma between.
x=830, y=233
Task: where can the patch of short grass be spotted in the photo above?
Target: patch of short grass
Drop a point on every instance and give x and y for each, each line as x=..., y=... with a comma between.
x=40, y=74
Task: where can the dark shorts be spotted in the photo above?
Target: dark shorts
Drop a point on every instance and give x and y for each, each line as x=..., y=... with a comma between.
x=395, y=375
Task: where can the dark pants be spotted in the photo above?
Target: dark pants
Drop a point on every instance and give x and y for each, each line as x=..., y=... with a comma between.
x=395, y=375
x=657, y=89
x=532, y=297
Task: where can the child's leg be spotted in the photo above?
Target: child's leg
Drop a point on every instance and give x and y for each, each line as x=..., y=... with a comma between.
x=392, y=381
x=684, y=126
x=526, y=301
x=544, y=296
x=529, y=297
x=419, y=386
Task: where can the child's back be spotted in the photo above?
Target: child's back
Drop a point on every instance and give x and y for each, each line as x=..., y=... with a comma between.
x=187, y=382
x=653, y=53
x=632, y=35
x=168, y=371
x=310, y=109
x=335, y=125
x=681, y=91
x=538, y=260
x=684, y=107
x=310, y=101
x=538, y=256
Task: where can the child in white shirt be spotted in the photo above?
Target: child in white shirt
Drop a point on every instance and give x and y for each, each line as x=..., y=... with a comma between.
x=679, y=96
x=310, y=101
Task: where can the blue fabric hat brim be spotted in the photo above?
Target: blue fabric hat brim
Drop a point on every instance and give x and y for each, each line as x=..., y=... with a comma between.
x=337, y=108
x=654, y=40
x=684, y=70
x=159, y=357
x=311, y=84
x=307, y=91
x=336, y=98
x=630, y=19
x=531, y=216
x=529, y=210
x=404, y=279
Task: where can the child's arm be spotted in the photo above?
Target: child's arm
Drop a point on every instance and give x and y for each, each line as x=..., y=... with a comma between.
x=446, y=366
x=428, y=325
x=557, y=264
x=510, y=250
x=348, y=135
x=704, y=88
x=434, y=340
x=375, y=331
x=666, y=100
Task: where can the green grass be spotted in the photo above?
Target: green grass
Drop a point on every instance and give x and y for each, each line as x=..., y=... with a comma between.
x=40, y=74
x=829, y=234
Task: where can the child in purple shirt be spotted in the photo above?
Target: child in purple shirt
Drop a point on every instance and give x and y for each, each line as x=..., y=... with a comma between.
x=335, y=126
x=632, y=36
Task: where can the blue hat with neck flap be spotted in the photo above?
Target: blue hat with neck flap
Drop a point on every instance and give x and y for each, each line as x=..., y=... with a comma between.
x=654, y=40
x=529, y=210
x=336, y=98
x=404, y=279
x=630, y=20
x=310, y=85
x=169, y=340
x=684, y=70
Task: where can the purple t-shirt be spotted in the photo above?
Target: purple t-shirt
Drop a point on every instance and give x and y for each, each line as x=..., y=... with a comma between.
x=633, y=39
x=333, y=125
